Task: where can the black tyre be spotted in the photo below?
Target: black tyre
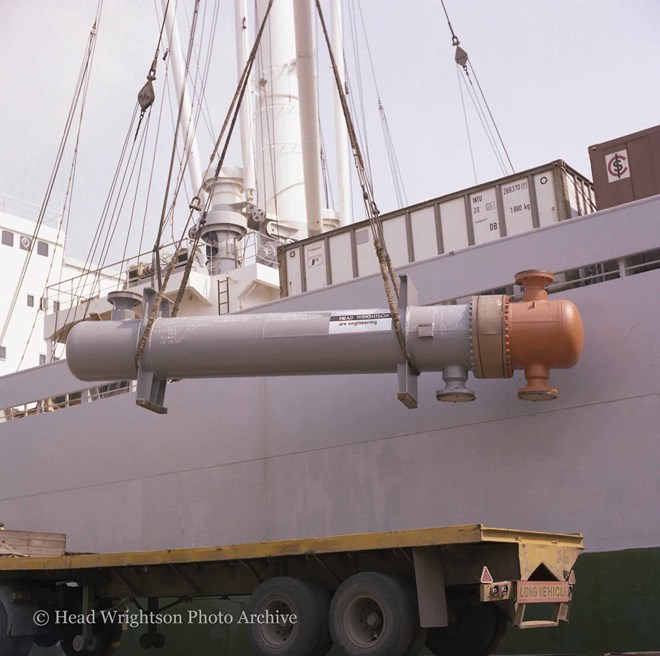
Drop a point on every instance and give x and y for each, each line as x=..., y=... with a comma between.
x=106, y=636
x=270, y=629
x=46, y=638
x=12, y=645
x=475, y=629
x=373, y=613
x=419, y=634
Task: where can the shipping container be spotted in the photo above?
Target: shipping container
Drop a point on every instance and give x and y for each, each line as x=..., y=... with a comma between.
x=508, y=206
x=626, y=168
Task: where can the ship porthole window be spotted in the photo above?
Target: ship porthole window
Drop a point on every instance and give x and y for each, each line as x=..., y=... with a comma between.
x=42, y=248
x=7, y=238
x=30, y=300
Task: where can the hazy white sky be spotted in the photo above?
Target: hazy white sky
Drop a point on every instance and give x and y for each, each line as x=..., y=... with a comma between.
x=559, y=75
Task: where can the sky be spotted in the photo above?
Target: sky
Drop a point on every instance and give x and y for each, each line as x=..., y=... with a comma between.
x=559, y=76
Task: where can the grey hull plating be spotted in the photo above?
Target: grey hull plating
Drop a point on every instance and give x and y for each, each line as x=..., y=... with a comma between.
x=255, y=459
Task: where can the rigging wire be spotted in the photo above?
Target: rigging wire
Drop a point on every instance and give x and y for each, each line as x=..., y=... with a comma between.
x=78, y=92
x=364, y=138
x=477, y=96
x=156, y=248
x=467, y=124
x=390, y=280
x=228, y=126
x=484, y=124
x=100, y=227
x=395, y=170
x=146, y=95
x=153, y=159
x=135, y=197
x=200, y=97
x=506, y=152
x=191, y=131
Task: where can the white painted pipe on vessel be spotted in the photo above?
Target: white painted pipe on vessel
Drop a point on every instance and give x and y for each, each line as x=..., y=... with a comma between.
x=186, y=127
x=309, y=112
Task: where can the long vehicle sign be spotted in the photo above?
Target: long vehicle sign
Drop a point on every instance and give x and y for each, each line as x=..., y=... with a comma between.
x=543, y=592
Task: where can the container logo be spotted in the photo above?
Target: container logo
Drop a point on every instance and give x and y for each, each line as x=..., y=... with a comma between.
x=617, y=165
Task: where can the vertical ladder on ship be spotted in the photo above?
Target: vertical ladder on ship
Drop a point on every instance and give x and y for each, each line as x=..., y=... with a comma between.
x=223, y=296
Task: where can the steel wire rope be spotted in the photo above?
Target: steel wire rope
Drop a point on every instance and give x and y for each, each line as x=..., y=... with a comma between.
x=153, y=158
x=191, y=132
x=395, y=170
x=455, y=42
x=100, y=227
x=390, y=280
x=66, y=208
x=228, y=124
x=78, y=90
x=358, y=76
x=506, y=152
x=151, y=75
x=467, y=124
x=135, y=196
x=156, y=248
x=118, y=207
x=472, y=92
x=197, y=57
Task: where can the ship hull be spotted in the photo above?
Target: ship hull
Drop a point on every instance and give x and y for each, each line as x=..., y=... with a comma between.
x=239, y=460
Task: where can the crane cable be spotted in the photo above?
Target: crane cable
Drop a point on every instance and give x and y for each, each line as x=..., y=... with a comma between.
x=395, y=169
x=387, y=270
x=467, y=126
x=146, y=95
x=161, y=225
x=228, y=126
x=462, y=60
x=78, y=92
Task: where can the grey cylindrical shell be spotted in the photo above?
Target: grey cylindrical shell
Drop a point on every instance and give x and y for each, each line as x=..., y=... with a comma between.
x=351, y=341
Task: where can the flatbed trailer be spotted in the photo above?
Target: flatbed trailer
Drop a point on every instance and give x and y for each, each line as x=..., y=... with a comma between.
x=456, y=589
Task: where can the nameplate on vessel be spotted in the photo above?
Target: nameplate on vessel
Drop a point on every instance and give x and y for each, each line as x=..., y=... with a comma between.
x=359, y=322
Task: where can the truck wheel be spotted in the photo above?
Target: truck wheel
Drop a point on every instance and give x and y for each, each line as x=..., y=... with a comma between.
x=12, y=645
x=372, y=613
x=106, y=639
x=271, y=631
x=419, y=634
x=475, y=629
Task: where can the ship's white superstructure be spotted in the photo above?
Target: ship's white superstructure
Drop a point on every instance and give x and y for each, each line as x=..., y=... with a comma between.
x=29, y=266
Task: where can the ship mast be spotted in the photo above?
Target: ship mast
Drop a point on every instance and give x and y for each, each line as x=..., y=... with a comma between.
x=280, y=172
x=185, y=126
x=341, y=133
x=247, y=139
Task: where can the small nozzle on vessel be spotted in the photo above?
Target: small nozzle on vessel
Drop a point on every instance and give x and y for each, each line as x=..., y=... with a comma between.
x=534, y=282
x=454, y=390
x=123, y=304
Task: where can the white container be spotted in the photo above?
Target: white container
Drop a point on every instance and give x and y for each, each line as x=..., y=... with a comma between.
x=508, y=206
